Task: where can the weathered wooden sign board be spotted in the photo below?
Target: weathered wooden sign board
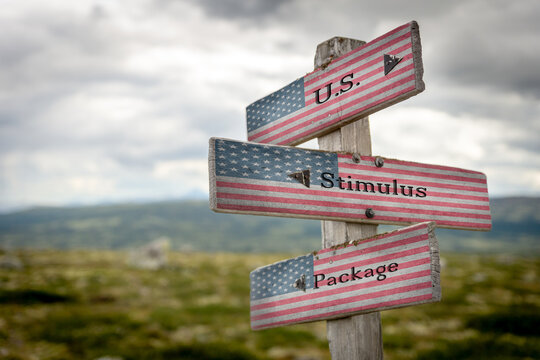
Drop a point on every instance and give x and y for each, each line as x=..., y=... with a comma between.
x=262, y=179
x=383, y=72
x=388, y=271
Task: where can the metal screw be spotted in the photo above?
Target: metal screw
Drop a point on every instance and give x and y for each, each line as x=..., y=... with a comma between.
x=356, y=158
x=370, y=213
x=379, y=161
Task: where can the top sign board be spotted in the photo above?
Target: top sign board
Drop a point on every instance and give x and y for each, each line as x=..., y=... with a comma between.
x=262, y=179
x=376, y=75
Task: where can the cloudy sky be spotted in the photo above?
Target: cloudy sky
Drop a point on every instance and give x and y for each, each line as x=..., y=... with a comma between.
x=109, y=101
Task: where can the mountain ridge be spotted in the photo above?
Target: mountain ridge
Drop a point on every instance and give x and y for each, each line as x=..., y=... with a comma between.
x=191, y=225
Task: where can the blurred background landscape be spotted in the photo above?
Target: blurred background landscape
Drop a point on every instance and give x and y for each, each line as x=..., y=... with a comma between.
x=107, y=247
x=191, y=226
x=170, y=280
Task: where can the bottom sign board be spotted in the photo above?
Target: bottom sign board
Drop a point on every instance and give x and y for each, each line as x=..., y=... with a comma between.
x=387, y=271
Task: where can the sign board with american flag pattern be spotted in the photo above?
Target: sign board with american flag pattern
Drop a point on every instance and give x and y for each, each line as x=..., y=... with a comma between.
x=388, y=271
x=371, y=77
x=263, y=179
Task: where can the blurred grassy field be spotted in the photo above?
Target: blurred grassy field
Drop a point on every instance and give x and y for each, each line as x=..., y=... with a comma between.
x=92, y=305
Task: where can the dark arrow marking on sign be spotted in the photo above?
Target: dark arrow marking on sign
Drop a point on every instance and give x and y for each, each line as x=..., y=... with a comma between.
x=351, y=87
x=262, y=179
x=302, y=177
x=391, y=270
x=390, y=62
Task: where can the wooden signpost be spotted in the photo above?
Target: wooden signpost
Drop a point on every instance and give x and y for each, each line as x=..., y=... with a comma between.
x=257, y=179
x=347, y=282
x=369, y=78
x=388, y=271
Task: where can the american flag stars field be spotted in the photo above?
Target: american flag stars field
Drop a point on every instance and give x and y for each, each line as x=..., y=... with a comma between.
x=262, y=162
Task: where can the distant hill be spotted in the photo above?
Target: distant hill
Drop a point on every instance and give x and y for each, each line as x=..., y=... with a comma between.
x=190, y=225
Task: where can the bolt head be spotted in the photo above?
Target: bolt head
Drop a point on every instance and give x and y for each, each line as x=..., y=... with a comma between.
x=370, y=213
x=379, y=161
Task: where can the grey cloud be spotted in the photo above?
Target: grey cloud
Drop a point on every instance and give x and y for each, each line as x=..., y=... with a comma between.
x=480, y=102
x=147, y=161
x=529, y=143
x=253, y=10
x=475, y=54
x=492, y=47
x=60, y=50
x=509, y=70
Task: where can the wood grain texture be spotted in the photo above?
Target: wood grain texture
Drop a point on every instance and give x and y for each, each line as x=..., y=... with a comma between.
x=435, y=263
x=359, y=336
x=356, y=337
x=212, y=174
x=334, y=48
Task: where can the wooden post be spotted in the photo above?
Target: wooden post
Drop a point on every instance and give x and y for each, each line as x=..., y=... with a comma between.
x=357, y=337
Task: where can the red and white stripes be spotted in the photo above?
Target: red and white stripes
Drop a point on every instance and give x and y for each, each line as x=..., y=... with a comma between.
x=370, y=90
x=414, y=279
x=454, y=198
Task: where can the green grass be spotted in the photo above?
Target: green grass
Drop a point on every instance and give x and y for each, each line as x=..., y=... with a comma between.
x=91, y=304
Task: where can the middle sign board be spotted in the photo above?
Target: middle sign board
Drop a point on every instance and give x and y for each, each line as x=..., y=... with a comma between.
x=262, y=179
